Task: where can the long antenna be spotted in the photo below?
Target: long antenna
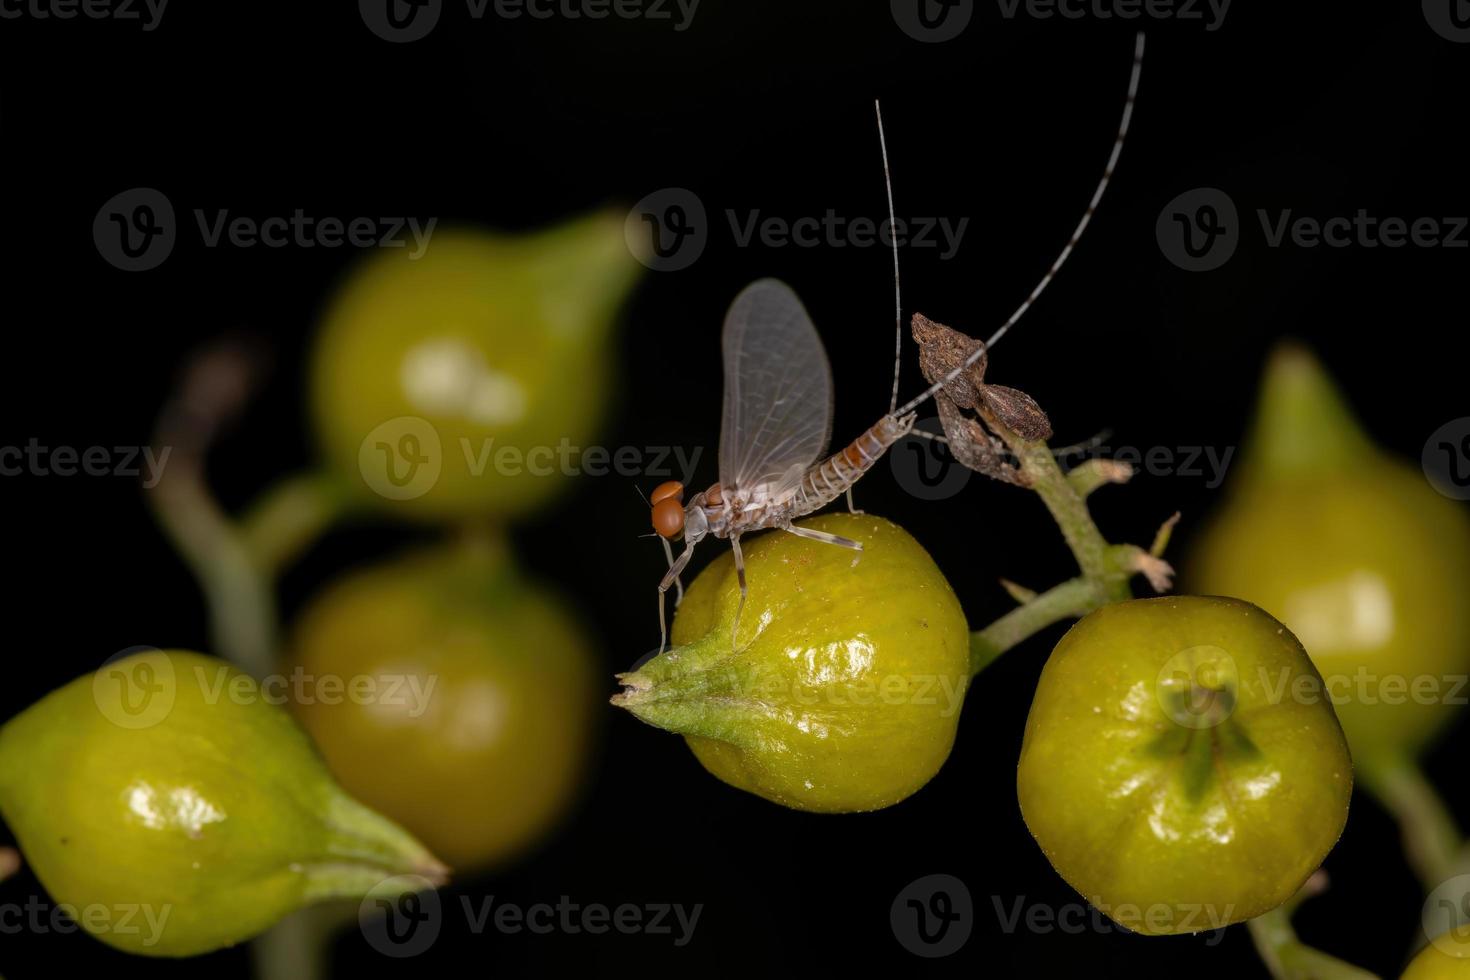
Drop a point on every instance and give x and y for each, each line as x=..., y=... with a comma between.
x=892, y=237
x=1102, y=186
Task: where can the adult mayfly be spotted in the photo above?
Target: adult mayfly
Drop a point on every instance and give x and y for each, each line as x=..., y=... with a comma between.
x=777, y=415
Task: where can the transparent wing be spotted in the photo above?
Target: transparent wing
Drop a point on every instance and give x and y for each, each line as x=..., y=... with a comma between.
x=778, y=391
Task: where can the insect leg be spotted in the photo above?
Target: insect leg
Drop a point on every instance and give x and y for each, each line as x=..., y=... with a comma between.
x=824, y=537
x=669, y=579
x=740, y=576
x=678, y=583
x=852, y=507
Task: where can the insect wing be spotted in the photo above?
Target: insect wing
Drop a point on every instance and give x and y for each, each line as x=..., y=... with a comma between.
x=778, y=392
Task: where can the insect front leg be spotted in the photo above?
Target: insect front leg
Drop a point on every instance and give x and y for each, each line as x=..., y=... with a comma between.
x=669, y=579
x=824, y=537
x=678, y=582
x=740, y=577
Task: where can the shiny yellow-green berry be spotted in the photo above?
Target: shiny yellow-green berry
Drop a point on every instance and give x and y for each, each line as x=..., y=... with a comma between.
x=842, y=688
x=1181, y=767
x=471, y=380
x=177, y=811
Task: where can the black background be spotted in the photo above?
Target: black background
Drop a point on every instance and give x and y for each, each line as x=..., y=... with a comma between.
x=761, y=104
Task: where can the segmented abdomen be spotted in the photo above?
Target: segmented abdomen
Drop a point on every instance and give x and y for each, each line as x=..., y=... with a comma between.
x=830, y=479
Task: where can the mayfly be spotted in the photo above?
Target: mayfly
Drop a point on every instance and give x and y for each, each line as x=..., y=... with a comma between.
x=777, y=416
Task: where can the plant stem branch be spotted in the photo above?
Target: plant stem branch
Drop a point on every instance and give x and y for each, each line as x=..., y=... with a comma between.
x=1106, y=568
x=235, y=564
x=1285, y=955
x=1070, y=600
x=1068, y=507
x=289, y=517
x=1432, y=841
x=238, y=592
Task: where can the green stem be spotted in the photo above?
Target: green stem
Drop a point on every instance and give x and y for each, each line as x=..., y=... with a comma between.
x=242, y=608
x=289, y=517
x=1285, y=955
x=1432, y=841
x=1070, y=600
x=1105, y=570
x=1288, y=958
x=235, y=566
x=1068, y=507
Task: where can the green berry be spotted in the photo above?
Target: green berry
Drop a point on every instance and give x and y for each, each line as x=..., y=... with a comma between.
x=165, y=788
x=1181, y=768
x=467, y=381
x=842, y=690
x=1355, y=552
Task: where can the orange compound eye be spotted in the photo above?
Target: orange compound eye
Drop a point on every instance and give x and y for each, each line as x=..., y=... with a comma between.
x=668, y=517
x=672, y=490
